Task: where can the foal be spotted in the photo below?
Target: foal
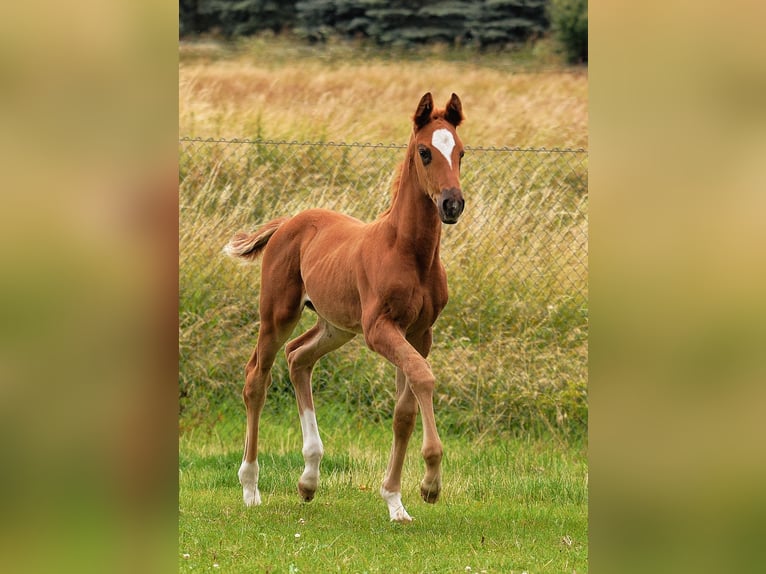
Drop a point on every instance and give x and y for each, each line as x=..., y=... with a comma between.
x=383, y=279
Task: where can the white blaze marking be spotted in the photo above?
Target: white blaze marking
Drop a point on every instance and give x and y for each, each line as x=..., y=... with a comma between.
x=443, y=141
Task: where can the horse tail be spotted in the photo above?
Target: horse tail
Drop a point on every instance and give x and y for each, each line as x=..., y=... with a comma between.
x=248, y=246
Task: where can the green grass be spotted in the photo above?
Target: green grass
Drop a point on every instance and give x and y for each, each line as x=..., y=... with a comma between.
x=512, y=505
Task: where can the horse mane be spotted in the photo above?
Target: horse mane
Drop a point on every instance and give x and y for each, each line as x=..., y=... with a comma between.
x=395, y=187
x=397, y=181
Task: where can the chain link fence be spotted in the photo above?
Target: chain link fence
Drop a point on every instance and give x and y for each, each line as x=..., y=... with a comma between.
x=510, y=349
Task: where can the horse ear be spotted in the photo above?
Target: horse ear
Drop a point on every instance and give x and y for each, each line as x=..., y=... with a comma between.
x=423, y=113
x=454, y=111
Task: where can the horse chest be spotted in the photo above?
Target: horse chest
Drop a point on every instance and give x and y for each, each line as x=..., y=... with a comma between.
x=416, y=301
x=434, y=298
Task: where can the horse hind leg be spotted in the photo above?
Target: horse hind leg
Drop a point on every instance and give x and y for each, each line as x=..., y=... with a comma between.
x=278, y=318
x=254, y=396
x=302, y=354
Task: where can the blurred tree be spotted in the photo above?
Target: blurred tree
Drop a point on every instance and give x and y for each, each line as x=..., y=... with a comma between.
x=396, y=22
x=569, y=23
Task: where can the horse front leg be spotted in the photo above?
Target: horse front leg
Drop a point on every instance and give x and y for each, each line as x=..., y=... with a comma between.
x=405, y=412
x=385, y=338
x=432, y=450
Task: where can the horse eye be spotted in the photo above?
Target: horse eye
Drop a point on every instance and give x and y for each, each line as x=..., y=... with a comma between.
x=425, y=155
x=462, y=153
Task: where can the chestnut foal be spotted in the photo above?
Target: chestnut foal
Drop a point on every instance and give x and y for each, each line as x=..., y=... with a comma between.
x=383, y=279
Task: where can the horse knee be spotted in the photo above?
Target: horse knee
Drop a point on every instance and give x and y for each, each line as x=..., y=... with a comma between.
x=299, y=351
x=422, y=380
x=259, y=367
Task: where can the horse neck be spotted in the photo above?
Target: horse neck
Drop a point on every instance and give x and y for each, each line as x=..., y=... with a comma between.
x=414, y=216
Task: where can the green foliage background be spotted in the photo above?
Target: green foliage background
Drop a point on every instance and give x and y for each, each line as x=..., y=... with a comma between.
x=569, y=21
x=387, y=22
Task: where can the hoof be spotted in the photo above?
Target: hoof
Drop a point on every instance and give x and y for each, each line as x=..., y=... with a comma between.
x=251, y=497
x=402, y=517
x=306, y=494
x=430, y=495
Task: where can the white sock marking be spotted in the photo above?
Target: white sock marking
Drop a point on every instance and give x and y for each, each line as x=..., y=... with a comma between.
x=395, y=507
x=248, y=478
x=443, y=140
x=312, y=449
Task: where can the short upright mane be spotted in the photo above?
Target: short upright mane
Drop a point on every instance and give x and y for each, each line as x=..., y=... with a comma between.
x=395, y=185
x=394, y=192
x=400, y=171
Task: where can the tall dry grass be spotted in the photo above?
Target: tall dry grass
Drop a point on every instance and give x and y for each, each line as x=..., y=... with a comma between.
x=275, y=93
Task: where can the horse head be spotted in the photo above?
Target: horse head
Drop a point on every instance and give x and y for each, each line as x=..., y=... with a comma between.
x=436, y=151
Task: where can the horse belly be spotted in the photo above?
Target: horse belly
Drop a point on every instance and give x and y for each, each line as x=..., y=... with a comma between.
x=327, y=253
x=331, y=287
x=340, y=309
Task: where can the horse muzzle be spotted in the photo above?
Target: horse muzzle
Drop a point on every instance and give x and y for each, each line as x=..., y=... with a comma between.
x=451, y=205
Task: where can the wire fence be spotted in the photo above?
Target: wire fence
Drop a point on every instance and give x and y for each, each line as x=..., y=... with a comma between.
x=511, y=346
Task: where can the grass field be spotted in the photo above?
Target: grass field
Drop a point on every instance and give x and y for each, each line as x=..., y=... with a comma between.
x=507, y=506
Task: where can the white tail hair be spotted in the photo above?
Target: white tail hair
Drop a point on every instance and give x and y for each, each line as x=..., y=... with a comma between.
x=248, y=246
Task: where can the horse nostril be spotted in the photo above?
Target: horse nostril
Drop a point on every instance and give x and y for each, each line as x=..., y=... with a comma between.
x=452, y=207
